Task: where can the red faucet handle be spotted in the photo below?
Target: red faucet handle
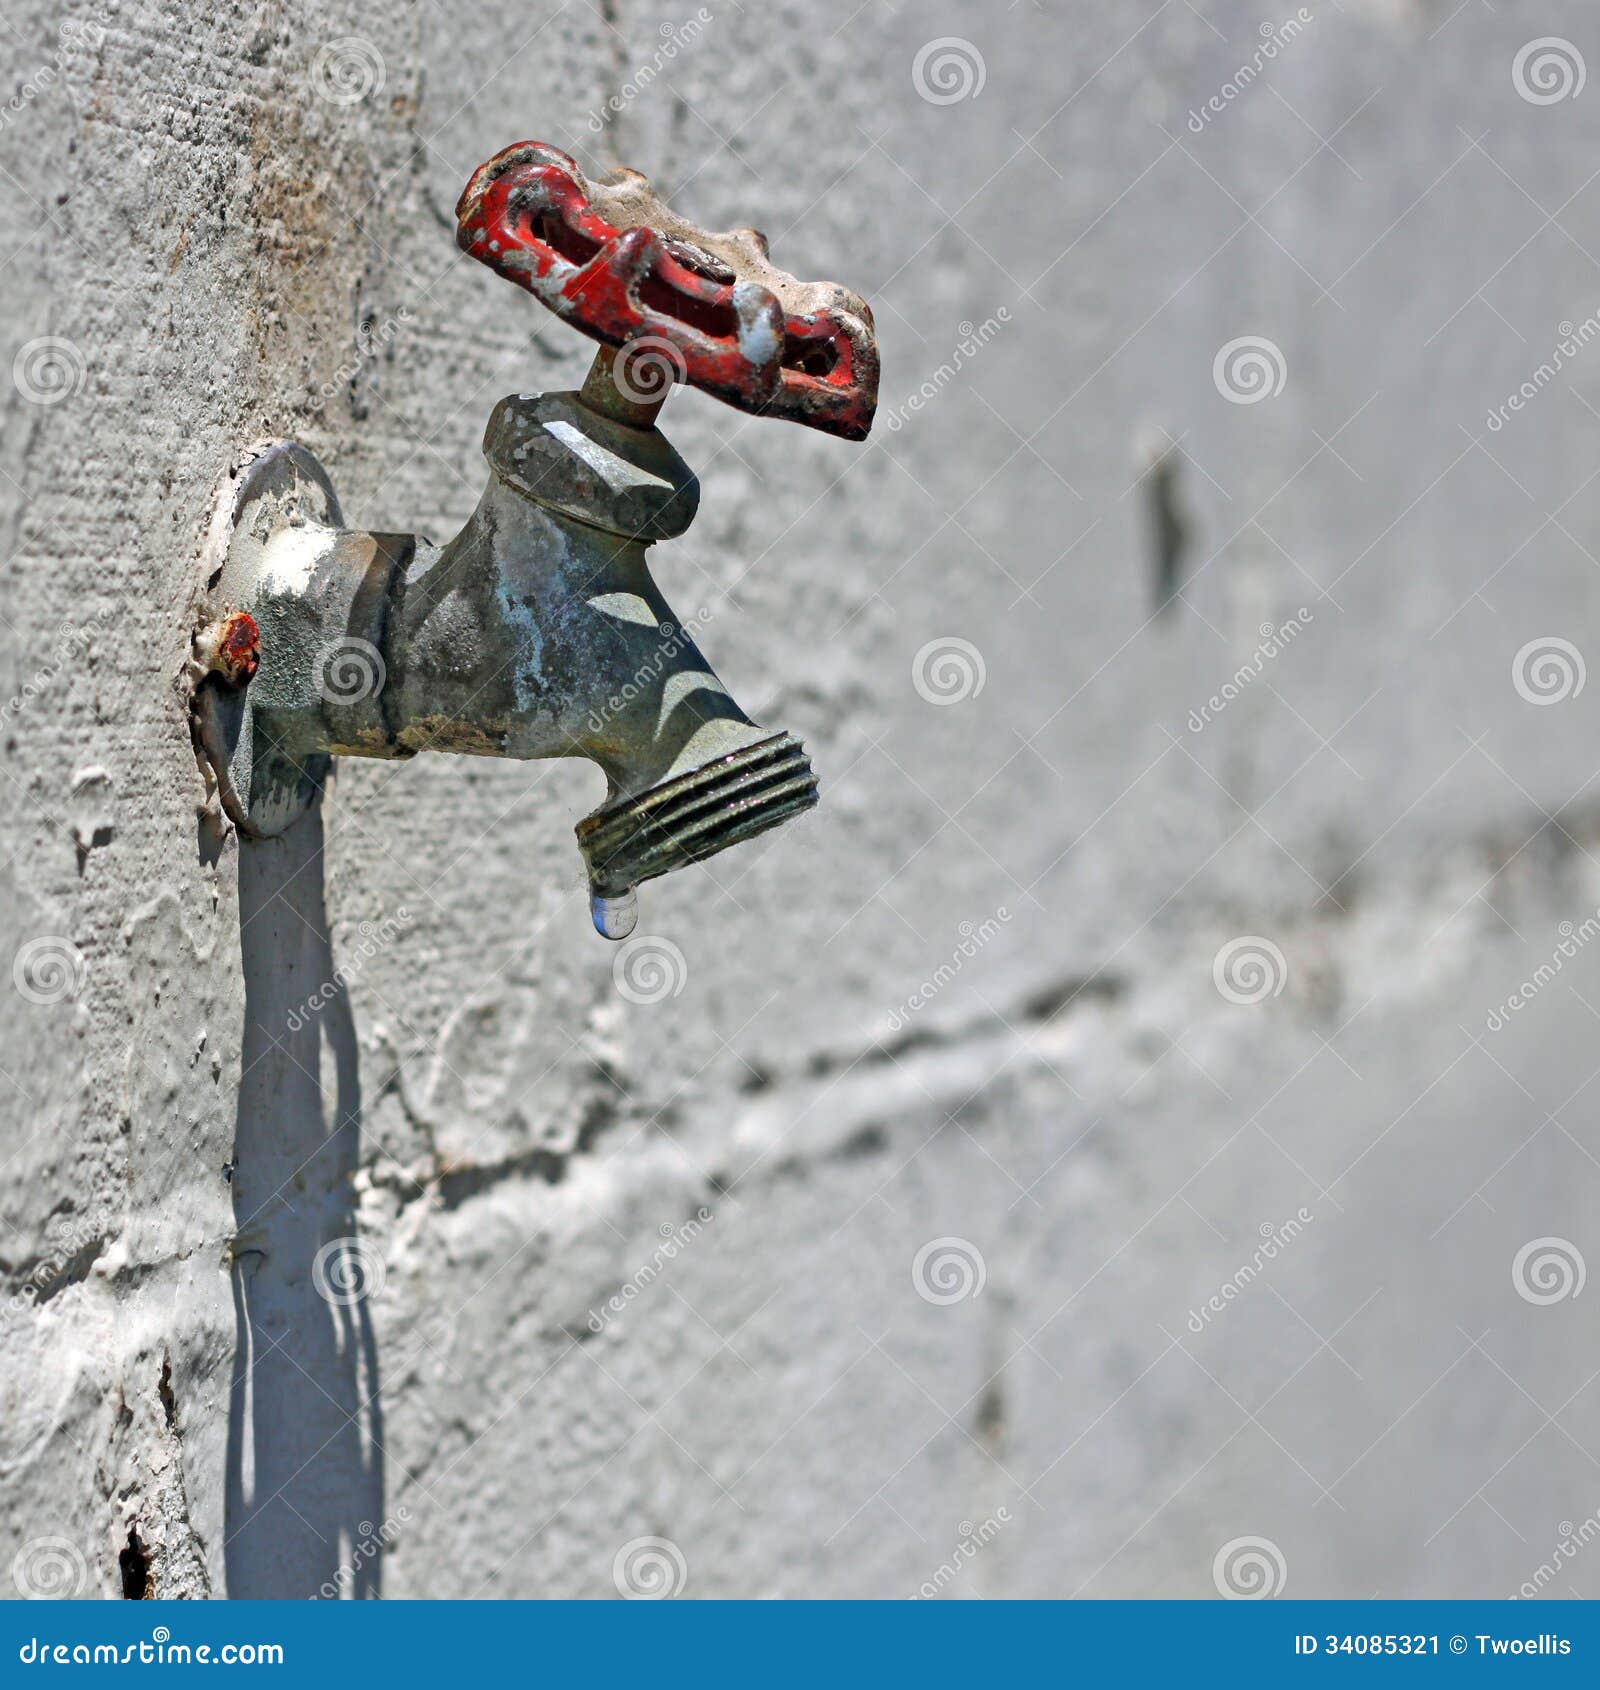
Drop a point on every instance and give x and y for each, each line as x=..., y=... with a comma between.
x=706, y=308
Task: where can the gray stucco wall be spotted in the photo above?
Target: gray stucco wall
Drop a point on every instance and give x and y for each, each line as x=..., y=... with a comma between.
x=975, y=997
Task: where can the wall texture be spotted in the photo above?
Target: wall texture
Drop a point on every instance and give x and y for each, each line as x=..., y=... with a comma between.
x=858, y=1234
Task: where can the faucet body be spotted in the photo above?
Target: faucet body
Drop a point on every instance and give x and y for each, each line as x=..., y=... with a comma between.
x=537, y=631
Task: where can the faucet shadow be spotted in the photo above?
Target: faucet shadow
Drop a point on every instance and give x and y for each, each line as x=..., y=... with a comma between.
x=305, y=1479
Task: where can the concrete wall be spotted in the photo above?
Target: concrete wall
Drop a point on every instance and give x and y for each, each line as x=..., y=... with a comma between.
x=976, y=996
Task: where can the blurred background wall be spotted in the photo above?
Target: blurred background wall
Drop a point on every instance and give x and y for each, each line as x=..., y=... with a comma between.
x=1098, y=1152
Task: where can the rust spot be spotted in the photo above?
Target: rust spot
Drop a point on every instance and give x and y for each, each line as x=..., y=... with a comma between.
x=231, y=648
x=239, y=647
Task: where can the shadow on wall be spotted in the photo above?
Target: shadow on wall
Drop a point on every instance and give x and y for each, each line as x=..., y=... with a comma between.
x=305, y=1427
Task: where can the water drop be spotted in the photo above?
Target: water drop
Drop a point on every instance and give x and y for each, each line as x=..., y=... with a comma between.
x=614, y=918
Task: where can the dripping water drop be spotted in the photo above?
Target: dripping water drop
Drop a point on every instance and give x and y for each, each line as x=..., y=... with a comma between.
x=614, y=918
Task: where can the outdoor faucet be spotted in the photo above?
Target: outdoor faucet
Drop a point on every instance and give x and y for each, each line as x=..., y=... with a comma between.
x=537, y=631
